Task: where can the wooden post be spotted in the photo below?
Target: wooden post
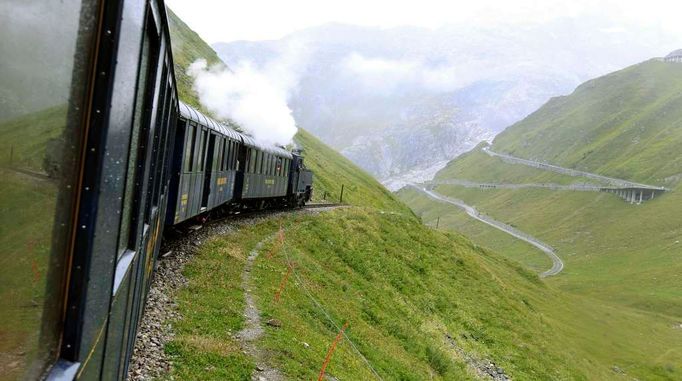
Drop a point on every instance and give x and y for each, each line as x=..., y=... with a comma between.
x=437, y=222
x=11, y=154
x=341, y=197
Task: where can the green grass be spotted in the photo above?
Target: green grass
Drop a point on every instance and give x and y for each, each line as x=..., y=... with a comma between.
x=622, y=257
x=332, y=170
x=612, y=250
x=26, y=212
x=455, y=219
x=402, y=287
x=27, y=209
x=27, y=136
x=627, y=124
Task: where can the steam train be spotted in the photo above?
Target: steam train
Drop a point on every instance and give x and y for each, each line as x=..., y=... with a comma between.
x=132, y=160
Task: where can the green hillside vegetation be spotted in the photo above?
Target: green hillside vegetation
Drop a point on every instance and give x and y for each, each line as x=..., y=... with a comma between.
x=627, y=124
x=331, y=171
x=403, y=288
x=27, y=212
x=188, y=47
x=26, y=138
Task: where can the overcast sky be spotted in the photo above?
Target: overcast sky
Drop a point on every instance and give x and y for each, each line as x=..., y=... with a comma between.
x=221, y=20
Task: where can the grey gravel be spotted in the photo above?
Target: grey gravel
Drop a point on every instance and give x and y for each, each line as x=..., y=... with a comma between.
x=484, y=368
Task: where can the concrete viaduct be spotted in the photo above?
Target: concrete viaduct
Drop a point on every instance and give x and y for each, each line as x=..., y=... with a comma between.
x=634, y=193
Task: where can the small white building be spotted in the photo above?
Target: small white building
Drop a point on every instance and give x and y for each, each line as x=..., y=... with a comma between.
x=675, y=56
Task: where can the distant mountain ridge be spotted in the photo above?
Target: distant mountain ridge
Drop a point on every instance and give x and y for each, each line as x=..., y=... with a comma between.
x=626, y=124
x=399, y=100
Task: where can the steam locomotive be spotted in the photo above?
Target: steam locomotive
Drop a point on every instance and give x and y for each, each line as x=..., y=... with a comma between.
x=128, y=160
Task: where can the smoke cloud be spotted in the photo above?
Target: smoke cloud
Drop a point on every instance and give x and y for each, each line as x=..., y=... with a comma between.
x=254, y=97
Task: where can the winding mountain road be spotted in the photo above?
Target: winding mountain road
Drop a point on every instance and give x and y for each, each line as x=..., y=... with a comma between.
x=552, y=186
x=568, y=171
x=557, y=263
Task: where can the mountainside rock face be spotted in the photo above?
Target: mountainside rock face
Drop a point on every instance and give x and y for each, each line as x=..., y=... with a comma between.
x=400, y=102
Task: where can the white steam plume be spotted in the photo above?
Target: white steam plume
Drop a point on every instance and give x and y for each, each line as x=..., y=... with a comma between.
x=255, y=98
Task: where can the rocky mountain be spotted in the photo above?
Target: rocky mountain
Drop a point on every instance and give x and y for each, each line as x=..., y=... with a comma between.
x=401, y=102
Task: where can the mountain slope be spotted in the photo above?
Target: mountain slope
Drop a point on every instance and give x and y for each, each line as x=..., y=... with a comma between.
x=421, y=304
x=627, y=124
x=188, y=47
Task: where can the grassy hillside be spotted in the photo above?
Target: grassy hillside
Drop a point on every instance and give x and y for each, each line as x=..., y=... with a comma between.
x=188, y=47
x=418, y=302
x=627, y=124
x=332, y=170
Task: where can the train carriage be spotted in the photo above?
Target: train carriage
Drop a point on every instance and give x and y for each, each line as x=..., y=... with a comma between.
x=204, y=166
x=102, y=200
x=263, y=176
x=122, y=158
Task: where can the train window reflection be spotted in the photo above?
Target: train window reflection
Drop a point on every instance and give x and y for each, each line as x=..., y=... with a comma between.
x=45, y=52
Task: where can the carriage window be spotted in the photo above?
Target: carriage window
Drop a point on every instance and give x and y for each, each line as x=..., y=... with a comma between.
x=144, y=82
x=233, y=156
x=200, y=154
x=42, y=79
x=252, y=161
x=264, y=164
x=266, y=158
x=268, y=165
x=230, y=155
x=216, y=152
x=221, y=153
x=190, y=137
x=259, y=162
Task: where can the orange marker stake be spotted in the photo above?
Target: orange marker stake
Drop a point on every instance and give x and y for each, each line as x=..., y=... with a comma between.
x=36, y=271
x=283, y=283
x=278, y=244
x=280, y=234
x=331, y=351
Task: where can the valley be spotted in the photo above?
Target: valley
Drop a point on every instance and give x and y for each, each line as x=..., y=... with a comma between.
x=463, y=301
x=615, y=134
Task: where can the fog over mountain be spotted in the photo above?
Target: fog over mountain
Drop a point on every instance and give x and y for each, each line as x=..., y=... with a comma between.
x=401, y=102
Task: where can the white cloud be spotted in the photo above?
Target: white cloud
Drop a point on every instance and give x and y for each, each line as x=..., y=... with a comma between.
x=385, y=75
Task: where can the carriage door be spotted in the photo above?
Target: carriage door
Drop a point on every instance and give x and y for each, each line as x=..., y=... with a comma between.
x=208, y=169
